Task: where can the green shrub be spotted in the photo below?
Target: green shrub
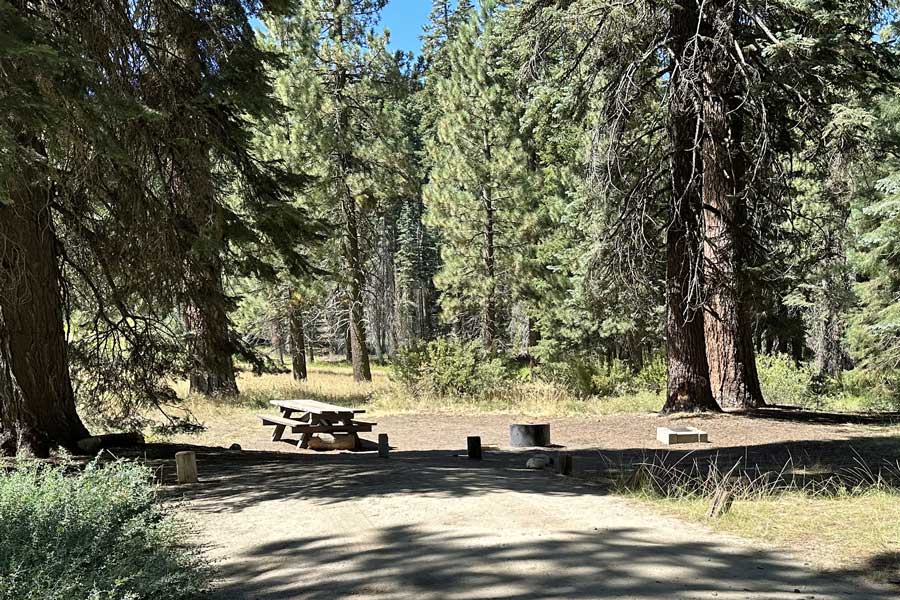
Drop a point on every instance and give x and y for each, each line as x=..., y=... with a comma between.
x=594, y=376
x=784, y=382
x=447, y=366
x=864, y=389
x=96, y=535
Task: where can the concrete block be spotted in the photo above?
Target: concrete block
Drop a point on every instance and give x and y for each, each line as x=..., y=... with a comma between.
x=681, y=435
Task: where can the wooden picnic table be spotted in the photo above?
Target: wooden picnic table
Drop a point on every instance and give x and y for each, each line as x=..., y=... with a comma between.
x=314, y=417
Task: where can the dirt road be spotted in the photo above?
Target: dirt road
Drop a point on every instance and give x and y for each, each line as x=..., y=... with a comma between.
x=428, y=525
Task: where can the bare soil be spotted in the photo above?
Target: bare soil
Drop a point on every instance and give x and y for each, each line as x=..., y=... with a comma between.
x=428, y=523
x=764, y=440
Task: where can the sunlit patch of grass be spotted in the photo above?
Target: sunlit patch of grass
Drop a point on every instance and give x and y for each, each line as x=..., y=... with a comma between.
x=843, y=531
x=530, y=399
x=846, y=518
x=225, y=419
x=333, y=383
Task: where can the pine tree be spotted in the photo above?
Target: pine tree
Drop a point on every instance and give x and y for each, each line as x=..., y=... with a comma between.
x=875, y=324
x=115, y=213
x=353, y=149
x=478, y=180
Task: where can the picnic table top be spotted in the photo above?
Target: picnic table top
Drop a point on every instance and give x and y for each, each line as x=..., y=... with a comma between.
x=314, y=406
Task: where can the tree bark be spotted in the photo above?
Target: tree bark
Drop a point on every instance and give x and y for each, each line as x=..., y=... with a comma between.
x=311, y=352
x=298, y=345
x=489, y=301
x=37, y=402
x=352, y=255
x=688, y=386
x=206, y=306
x=211, y=346
x=729, y=343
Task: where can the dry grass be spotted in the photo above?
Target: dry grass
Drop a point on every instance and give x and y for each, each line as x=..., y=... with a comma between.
x=331, y=382
x=225, y=419
x=844, y=531
x=846, y=519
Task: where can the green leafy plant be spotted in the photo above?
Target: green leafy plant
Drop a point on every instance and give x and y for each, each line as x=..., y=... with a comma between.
x=99, y=534
x=447, y=366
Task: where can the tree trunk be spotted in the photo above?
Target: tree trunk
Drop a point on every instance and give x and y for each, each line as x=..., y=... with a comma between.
x=729, y=343
x=489, y=301
x=298, y=346
x=206, y=306
x=211, y=346
x=352, y=254
x=688, y=387
x=278, y=341
x=311, y=353
x=37, y=403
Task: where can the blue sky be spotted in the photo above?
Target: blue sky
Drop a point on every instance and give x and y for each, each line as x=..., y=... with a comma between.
x=404, y=19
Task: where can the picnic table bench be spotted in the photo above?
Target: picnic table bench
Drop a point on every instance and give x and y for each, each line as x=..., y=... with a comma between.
x=314, y=417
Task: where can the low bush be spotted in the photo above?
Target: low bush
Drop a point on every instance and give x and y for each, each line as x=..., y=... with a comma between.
x=785, y=382
x=99, y=534
x=594, y=376
x=447, y=366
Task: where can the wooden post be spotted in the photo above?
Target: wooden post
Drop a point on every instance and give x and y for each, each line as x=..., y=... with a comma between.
x=565, y=463
x=720, y=504
x=473, y=442
x=383, y=447
x=186, y=466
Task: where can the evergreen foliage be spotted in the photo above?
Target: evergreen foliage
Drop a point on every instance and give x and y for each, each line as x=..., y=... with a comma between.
x=580, y=187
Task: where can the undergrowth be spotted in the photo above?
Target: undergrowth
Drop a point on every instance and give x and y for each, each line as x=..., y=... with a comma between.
x=96, y=534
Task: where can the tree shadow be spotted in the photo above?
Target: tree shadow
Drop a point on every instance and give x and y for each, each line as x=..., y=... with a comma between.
x=410, y=561
x=620, y=562
x=798, y=415
x=232, y=481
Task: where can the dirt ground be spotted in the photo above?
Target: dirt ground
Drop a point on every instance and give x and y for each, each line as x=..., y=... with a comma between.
x=428, y=523
x=764, y=440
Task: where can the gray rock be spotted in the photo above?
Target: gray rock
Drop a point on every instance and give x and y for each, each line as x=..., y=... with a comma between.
x=538, y=462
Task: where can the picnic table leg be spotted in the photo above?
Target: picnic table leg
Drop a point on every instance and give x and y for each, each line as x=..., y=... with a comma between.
x=277, y=433
x=305, y=437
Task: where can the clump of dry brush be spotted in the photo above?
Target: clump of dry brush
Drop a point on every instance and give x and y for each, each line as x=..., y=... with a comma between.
x=687, y=477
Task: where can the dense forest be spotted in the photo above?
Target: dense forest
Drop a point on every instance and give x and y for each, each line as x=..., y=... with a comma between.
x=554, y=188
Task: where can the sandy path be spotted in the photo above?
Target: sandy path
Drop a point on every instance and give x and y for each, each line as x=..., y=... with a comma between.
x=428, y=525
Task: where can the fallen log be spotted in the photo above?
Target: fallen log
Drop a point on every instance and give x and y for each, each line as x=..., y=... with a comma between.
x=95, y=443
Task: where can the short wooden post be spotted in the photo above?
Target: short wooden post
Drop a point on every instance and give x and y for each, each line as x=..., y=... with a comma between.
x=473, y=443
x=720, y=503
x=384, y=447
x=186, y=467
x=565, y=463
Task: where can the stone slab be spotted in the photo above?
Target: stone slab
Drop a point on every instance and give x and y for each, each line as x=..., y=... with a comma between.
x=681, y=435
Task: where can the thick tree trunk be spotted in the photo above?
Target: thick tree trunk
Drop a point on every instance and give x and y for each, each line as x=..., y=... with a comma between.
x=37, y=403
x=359, y=352
x=688, y=387
x=729, y=343
x=298, y=345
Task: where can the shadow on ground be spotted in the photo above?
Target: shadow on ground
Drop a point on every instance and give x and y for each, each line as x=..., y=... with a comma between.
x=235, y=480
x=407, y=562
x=413, y=561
